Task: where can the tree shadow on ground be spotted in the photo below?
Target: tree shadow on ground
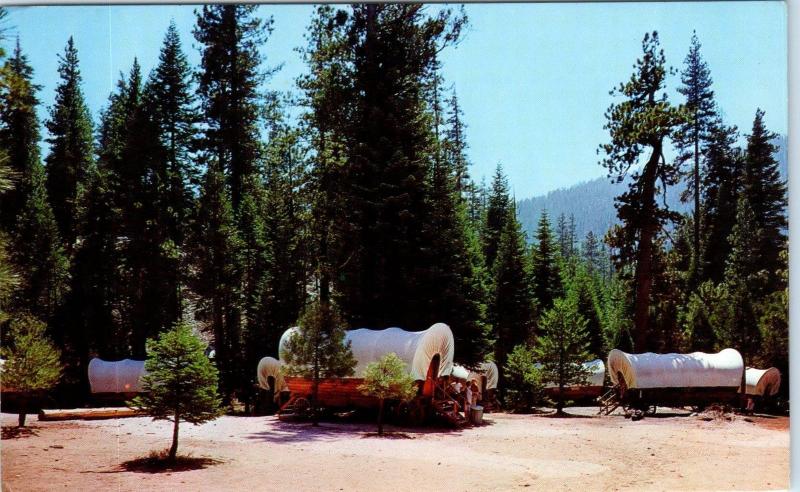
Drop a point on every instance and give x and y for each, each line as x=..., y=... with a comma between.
x=287, y=432
x=387, y=435
x=158, y=462
x=14, y=432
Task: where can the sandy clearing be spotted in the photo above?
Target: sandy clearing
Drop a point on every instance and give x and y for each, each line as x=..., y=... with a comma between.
x=510, y=452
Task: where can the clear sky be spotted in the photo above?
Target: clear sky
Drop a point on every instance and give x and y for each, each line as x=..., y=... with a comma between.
x=533, y=79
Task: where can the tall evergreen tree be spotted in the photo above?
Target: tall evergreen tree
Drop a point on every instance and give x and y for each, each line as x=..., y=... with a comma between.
x=457, y=275
x=722, y=185
x=512, y=308
x=745, y=279
x=592, y=254
x=218, y=276
x=544, y=267
x=765, y=191
x=389, y=152
x=37, y=249
x=228, y=82
x=582, y=292
x=457, y=141
x=70, y=157
x=497, y=207
x=692, y=138
x=640, y=122
x=170, y=116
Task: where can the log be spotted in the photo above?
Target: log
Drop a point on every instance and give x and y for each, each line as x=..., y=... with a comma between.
x=89, y=413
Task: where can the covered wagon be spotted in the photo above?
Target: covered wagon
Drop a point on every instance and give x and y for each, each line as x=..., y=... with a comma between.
x=428, y=355
x=487, y=377
x=642, y=381
x=761, y=387
x=591, y=388
x=115, y=380
x=273, y=390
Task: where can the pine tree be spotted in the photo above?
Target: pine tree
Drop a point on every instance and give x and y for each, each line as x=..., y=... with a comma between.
x=70, y=157
x=286, y=235
x=512, y=308
x=525, y=385
x=497, y=207
x=387, y=378
x=693, y=136
x=457, y=148
x=640, y=122
x=745, y=280
x=32, y=362
x=562, y=347
x=326, y=95
x=389, y=151
x=170, y=107
x=318, y=350
x=228, y=85
x=181, y=382
x=26, y=213
x=592, y=254
x=765, y=191
x=544, y=268
x=218, y=278
x=456, y=270
x=722, y=185
x=582, y=292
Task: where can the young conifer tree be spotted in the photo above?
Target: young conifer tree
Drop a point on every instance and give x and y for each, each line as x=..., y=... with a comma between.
x=181, y=382
x=32, y=362
x=562, y=347
x=387, y=378
x=317, y=349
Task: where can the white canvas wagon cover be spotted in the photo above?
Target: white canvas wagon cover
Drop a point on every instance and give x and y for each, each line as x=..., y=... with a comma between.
x=695, y=370
x=269, y=366
x=764, y=382
x=488, y=369
x=122, y=376
x=416, y=348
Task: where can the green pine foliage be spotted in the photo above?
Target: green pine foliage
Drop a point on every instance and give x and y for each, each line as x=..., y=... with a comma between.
x=181, y=382
x=544, y=266
x=562, y=346
x=228, y=85
x=26, y=213
x=497, y=206
x=317, y=349
x=387, y=378
x=217, y=281
x=512, y=307
x=71, y=152
x=765, y=191
x=692, y=140
x=524, y=379
x=722, y=185
x=582, y=291
x=638, y=124
x=31, y=362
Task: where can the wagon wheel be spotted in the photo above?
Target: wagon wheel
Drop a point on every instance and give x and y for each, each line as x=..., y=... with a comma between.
x=302, y=407
x=651, y=410
x=416, y=412
x=402, y=412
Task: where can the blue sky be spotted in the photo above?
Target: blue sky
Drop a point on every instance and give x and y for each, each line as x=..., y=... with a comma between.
x=533, y=79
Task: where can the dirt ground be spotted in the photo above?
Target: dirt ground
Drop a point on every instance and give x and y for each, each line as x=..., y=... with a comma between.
x=668, y=452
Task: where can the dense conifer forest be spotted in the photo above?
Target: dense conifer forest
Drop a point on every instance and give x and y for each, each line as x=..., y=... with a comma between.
x=195, y=198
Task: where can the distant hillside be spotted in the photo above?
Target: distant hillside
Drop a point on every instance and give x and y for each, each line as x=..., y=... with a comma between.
x=592, y=202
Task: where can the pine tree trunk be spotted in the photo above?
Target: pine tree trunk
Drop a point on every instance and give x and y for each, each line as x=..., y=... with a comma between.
x=644, y=255
x=23, y=411
x=173, y=451
x=380, y=417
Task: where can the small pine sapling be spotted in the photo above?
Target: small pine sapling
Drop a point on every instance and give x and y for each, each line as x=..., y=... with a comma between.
x=562, y=347
x=181, y=382
x=387, y=378
x=32, y=362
